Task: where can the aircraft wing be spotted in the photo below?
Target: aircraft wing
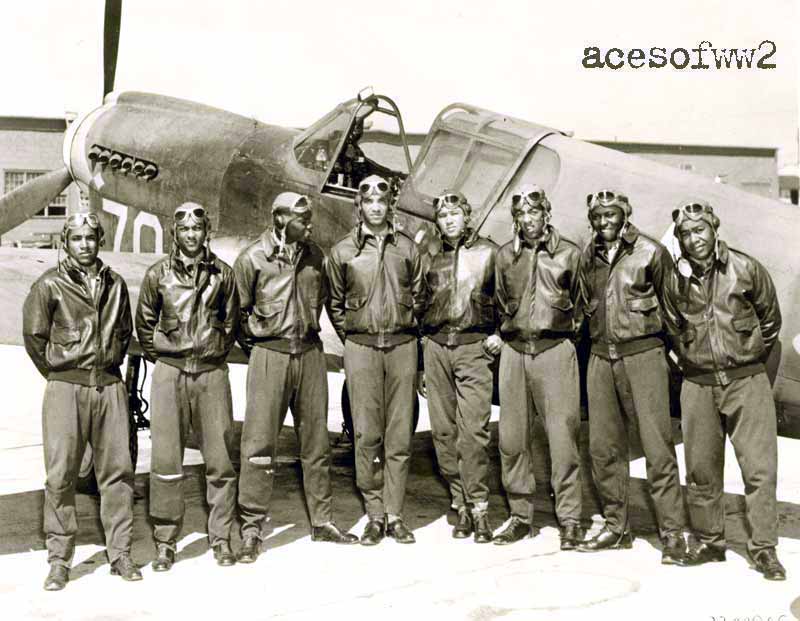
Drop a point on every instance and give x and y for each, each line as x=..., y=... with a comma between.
x=19, y=269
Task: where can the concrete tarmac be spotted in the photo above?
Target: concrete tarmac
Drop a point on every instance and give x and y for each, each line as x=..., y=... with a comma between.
x=438, y=577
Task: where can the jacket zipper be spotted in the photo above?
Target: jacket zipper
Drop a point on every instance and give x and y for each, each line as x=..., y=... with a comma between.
x=454, y=295
x=379, y=274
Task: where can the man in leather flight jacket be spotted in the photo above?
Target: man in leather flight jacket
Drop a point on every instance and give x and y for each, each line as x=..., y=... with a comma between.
x=76, y=328
x=460, y=346
x=538, y=296
x=623, y=274
x=376, y=294
x=186, y=320
x=282, y=287
x=724, y=316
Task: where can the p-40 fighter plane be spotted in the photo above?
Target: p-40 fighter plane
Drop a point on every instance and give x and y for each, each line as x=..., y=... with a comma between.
x=141, y=155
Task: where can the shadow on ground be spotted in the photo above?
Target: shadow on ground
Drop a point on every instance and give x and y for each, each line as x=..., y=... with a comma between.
x=426, y=501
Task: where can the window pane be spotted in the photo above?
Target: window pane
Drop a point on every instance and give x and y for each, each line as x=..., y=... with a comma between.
x=483, y=171
x=541, y=167
x=316, y=149
x=437, y=172
x=13, y=180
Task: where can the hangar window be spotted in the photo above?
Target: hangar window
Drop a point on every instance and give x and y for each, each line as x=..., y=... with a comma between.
x=15, y=179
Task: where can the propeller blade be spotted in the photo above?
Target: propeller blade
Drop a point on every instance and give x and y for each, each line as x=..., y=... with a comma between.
x=111, y=43
x=29, y=199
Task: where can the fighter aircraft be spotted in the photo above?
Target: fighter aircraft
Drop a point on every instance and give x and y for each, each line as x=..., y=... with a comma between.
x=141, y=155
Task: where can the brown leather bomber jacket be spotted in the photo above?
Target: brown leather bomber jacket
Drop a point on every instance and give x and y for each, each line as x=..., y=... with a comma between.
x=460, y=290
x=623, y=297
x=281, y=299
x=188, y=320
x=723, y=324
x=376, y=288
x=538, y=292
x=72, y=335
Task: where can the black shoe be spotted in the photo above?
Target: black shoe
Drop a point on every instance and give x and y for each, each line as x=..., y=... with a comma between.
x=483, y=532
x=705, y=554
x=223, y=554
x=674, y=550
x=251, y=548
x=165, y=556
x=398, y=531
x=331, y=533
x=571, y=536
x=126, y=568
x=606, y=540
x=373, y=533
x=766, y=561
x=463, y=527
x=57, y=578
x=515, y=531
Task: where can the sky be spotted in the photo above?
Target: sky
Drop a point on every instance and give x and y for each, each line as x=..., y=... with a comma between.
x=289, y=62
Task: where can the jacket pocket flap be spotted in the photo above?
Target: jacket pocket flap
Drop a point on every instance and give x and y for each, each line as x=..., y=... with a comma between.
x=745, y=324
x=406, y=299
x=642, y=305
x=64, y=336
x=562, y=304
x=269, y=309
x=354, y=302
x=167, y=325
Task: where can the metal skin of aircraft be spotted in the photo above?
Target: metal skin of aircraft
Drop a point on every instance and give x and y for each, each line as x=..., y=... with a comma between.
x=142, y=155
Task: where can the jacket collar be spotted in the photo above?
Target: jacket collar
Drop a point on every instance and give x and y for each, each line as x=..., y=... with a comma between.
x=77, y=272
x=439, y=244
x=207, y=259
x=271, y=249
x=360, y=235
x=722, y=252
x=628, y=238
x=549, y=241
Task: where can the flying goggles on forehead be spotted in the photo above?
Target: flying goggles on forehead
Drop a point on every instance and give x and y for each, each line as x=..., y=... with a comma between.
x=693, y=211
x=449, y=199
x=605, y=198
x=368, y=188
x=534, y=198
x=79, y=219
x=198, y=213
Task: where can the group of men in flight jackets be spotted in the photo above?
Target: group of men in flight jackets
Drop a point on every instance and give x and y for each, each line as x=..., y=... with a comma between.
x=433, y=318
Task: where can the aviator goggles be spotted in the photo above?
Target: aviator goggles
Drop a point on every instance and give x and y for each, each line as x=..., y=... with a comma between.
x=448, y=199
x=198, y=213
x=695, y=211
x=368, y=188
x=534, y=198
x=606, y=198
x=79, y=219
